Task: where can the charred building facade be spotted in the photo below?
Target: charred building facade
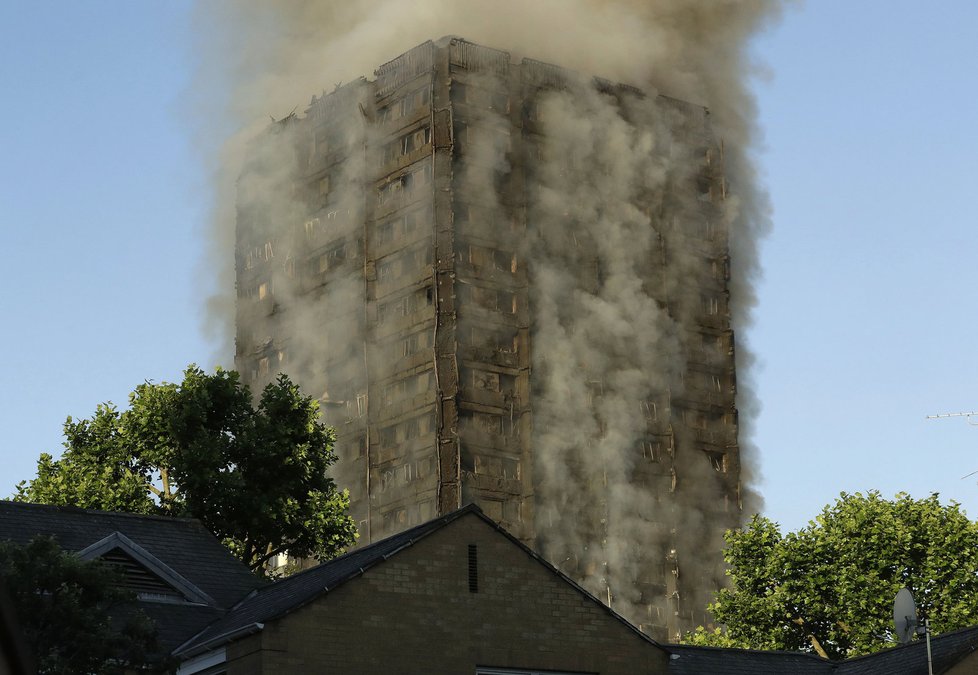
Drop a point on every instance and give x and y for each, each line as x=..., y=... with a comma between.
x=509, y=285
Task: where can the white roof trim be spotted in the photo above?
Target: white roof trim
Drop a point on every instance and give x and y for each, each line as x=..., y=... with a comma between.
x=203, y=662
x=150, y=562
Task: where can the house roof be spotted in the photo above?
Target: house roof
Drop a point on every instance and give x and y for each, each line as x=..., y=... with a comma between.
x=694, y=660
x=178, y=553
x=288, y=595
x=910, y=659
x=291, y=593
x=182, y=544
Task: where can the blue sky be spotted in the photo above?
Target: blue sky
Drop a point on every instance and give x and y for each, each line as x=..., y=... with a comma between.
x=864, y=326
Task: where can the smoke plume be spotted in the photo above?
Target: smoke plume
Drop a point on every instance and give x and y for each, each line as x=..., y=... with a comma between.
x=600, y=164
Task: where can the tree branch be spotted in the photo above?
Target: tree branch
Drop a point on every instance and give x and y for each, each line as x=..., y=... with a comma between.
x=269, y=555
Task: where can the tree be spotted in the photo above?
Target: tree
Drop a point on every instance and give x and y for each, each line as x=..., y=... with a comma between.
x=255, y=476
x=74, y=616
x=829, y=588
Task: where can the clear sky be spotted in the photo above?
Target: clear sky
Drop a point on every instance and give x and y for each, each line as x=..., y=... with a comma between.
x=864, y=326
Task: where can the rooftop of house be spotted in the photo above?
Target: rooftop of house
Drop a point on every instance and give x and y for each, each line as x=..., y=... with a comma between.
x=288, y=595
x=909, y=659
x=183, y=576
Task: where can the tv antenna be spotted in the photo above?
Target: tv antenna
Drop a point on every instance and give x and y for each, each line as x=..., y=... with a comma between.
x=905, y=623
x=966, y=415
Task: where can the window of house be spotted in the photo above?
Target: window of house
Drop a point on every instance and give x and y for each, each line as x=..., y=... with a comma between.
x=385, y=270
x=385, y=232
x=414, y=140
x=409, y=345
x=361, y=404
x=651, y=450
x=718, y=461
x=389, y=191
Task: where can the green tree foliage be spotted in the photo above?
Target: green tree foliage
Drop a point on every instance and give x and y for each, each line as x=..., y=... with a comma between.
x=255, y=476
x=829, y=588
x=74, y=617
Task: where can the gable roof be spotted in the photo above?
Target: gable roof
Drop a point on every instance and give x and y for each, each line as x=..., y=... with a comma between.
x=910, y=659
x=290, y=594
x=183, y=546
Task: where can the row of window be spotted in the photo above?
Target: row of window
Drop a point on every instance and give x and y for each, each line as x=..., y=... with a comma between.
x=486, y=423
x=401, y=517
x=405, y=186
x=495, y=340
x=411, y=344
x=401, y=264
x=406, y=106
x=264, y=364
x=407, y=387
x=476, y=96
x=406, y=473
x=406, y=144
x=405, y=305
x=316, y=227
x=485, y=257
x=257, y=291
x=407, y=430
x=493, y=299
x=496, y=466
x=698, y=419
x=258, y=254
x=487, y=380
x=329, y=259
x=403, y=225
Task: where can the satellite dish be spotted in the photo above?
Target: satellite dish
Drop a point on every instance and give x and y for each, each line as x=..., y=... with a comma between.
x=904, y=615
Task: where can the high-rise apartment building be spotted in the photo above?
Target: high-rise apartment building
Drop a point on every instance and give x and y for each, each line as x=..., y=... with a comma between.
x=509, y=285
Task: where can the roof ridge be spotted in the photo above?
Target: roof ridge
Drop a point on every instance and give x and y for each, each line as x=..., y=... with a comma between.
x=428, y=526
x=765, y=652
x=70, y=508
x=919, y=644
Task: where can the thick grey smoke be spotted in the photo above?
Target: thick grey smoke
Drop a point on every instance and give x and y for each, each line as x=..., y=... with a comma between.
x=600, y=164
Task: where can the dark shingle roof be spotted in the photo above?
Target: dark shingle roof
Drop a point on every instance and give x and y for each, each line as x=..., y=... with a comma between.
x=716, y=661
x=293, y=592
x=183, y=544
x=948, y=649
x=911, y=659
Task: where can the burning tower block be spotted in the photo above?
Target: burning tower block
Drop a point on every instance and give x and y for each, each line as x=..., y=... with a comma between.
x=509, y=284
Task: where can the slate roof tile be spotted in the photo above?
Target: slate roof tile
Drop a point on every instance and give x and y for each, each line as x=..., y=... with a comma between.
x=183, y=544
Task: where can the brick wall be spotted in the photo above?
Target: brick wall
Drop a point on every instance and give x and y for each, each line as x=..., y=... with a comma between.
x=415, y=613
